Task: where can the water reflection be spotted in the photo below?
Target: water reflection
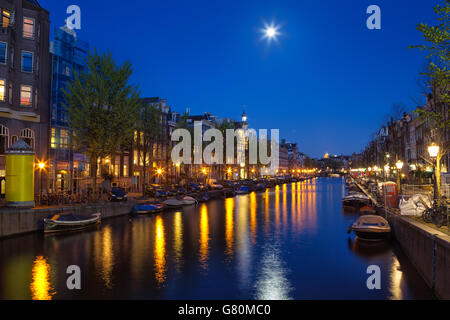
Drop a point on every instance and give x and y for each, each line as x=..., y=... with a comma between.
x=178, y=240
x=261, y=245
x=160, y=251
x=253, y=222
x=272, y=282
x=104, y=255
x=229, y=227
x=204, y=237
x=40, y=287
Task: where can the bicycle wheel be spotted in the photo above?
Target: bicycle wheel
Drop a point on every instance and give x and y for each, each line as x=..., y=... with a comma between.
x=426, y=216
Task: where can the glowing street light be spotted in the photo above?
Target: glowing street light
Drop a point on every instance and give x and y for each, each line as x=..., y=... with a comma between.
x=399, y=164
x=433, y=150
x=41, y=165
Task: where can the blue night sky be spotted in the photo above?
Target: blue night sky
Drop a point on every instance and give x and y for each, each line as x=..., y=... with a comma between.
x=327, y=83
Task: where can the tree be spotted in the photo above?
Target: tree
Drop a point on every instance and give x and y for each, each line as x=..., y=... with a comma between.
x=223, y=126
x=101, y=108
x=148, y=132
x=437, y=77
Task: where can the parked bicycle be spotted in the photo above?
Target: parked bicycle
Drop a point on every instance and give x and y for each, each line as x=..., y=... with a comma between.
x=438, y=213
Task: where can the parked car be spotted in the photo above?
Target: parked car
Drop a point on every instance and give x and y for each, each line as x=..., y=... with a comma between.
x=118, y=194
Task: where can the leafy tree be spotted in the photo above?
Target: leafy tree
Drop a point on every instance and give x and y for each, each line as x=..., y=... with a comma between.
x=101, y=108
x=437, y=75
x=148, y=132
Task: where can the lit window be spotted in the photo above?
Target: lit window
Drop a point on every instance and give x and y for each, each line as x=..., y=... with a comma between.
x=125, y=170
x=25, y=95
x=2, y=89
x=3, y=52
x=63, y=139
x=28, y=28
x=53, y=143
x=6, y=18
x=27, y=61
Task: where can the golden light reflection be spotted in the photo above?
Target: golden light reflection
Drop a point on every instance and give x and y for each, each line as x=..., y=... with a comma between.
x=229, y=226
x=396, y=280
x=178, y=240
x=293, y=209
x=253, y=222
x=107, y=257
x=204, y=237
x=277, y=208
x=40, y=286
x=266, y=211
x=160, y=251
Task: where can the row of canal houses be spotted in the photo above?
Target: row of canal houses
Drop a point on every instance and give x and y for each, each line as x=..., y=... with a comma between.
x=407, y=139
x=33, y=70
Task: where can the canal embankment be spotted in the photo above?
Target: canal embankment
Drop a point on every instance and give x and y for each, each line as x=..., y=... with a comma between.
x=427, y=248
x=17, y=221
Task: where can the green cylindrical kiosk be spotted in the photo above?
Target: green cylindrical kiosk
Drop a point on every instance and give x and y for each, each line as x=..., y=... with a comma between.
x=20, y=175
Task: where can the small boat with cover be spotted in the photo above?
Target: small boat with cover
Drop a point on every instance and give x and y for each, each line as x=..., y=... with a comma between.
x=371, y=227
x=147, y=208
x=70, y=222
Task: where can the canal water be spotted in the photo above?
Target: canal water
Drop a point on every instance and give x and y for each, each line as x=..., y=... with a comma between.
x=289, y=242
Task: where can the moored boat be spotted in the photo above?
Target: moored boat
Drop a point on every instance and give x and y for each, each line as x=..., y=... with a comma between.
x=148, y=208
x=173, y=203
x=242, y=190
x=355, y=201
x=70, y=222
x=187, y=201
x=371, y=227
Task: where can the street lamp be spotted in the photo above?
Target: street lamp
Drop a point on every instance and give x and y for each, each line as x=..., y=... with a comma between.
x=386, y=171
x=399, y=166
x=41, y=166
x=433, y=150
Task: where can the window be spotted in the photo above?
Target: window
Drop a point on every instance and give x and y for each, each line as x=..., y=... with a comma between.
x=125, y=170
x=63, y=139
x=6, y=18
x=2, y=89
x=3, y=52
x=53, y=143
x=27, y=135
x=25, y=95
x=11, y=58
x=4, y=136
x=27, y=61
x=28, y=28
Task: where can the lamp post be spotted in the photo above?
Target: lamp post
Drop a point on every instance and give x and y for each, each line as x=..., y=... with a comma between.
x=399, y=166
x=386, y=172
x=41, y=166
x=433, y=150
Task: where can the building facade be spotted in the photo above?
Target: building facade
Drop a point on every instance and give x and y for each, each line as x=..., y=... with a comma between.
x=24, y=80
x=66, y=167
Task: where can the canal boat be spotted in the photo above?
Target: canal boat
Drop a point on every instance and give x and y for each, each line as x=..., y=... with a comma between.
x=188, y=201
x=355, y=201
x=242, y=190
x=371, y=227
x=173, y=203
x=147, y=208
x=70, y=222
